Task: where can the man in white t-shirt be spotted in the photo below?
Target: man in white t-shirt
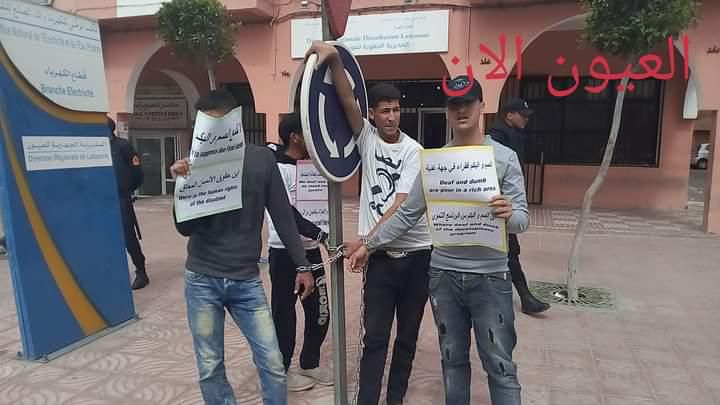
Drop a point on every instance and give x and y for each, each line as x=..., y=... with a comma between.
x=282, y=277
x=396, y=280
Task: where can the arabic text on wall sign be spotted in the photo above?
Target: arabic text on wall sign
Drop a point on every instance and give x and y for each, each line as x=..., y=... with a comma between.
x=63, y=152
x=60, y=54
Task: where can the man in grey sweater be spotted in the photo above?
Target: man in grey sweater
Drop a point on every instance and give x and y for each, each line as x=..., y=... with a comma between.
x=470, y=287
x=222, y=272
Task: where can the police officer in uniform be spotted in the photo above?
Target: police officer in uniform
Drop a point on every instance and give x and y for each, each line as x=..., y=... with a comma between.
x=508, y=131
x=129, y=176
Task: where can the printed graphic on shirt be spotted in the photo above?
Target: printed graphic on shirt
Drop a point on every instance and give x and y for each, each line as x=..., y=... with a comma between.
x=388, y=172
x=388, y=169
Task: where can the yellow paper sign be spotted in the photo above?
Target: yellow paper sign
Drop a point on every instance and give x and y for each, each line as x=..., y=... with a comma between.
x=458, y=183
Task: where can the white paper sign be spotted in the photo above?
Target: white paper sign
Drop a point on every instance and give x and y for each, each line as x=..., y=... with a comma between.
x=458, y=183
x=60, y=54
x=466, y=225
x=216, y=158
x=316, y=212
x=311, y=185
x=311, y=194
x=65, y=152
x=460, y=174
x=380, y=34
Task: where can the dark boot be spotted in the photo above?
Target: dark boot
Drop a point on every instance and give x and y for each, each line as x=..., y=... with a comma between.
x=141, y=280
x=530, y=304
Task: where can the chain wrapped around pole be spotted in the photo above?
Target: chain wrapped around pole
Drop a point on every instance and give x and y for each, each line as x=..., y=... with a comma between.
x=334, y=254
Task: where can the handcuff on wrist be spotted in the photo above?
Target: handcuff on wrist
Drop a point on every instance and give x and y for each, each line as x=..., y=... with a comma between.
x=304, y=269
x=323, y=237
x=366, y=242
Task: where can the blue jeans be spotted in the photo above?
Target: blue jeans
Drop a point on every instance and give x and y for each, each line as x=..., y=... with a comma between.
x=207, y=298
x=483, y=302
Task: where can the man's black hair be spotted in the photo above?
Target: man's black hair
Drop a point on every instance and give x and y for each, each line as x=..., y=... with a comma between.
x=383, y=92
x=111, y=125
x=217, y=100
x=289, y=124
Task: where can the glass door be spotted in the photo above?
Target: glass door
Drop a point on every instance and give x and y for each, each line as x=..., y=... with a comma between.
x=150, y=151
x=157, y=152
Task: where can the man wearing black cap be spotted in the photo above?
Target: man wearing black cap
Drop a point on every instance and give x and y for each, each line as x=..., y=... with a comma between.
x=129, y=176
x=470, y=288
x=515, y=116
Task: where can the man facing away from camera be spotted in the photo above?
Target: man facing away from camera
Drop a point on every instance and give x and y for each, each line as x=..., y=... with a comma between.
x=221, y=271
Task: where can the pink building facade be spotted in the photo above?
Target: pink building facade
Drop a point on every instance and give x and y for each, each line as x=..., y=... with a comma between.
x=152, y=93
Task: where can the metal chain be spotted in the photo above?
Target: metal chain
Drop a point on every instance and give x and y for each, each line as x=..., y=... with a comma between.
x=335, y=253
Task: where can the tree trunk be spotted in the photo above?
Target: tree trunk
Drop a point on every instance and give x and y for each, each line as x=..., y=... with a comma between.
x=211, y=76
x=573, y=265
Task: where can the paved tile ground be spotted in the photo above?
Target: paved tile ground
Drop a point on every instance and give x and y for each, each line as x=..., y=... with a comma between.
x=658, y=346
x=685, y=223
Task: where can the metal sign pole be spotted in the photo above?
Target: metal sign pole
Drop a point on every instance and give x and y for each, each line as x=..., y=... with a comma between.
x=337, y=291
x=337, y=277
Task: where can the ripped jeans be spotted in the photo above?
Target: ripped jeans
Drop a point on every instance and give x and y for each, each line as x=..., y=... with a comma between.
x=482, y=302
x=207, y=298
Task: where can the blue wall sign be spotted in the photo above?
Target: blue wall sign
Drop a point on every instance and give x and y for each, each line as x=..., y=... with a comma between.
x=59, y=202
x=327, y=132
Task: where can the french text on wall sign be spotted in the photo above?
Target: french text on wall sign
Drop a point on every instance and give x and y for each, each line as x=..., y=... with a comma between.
x=649, y=66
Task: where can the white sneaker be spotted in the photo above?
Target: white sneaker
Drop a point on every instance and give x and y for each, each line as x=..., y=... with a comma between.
x=320, y=375
x=297, y=382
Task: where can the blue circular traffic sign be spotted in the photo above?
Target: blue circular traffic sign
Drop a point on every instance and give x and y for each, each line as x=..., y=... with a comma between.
x=327, y=132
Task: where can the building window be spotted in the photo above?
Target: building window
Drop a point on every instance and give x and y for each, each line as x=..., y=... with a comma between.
x=575, y=129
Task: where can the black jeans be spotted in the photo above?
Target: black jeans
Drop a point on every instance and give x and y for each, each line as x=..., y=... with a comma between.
x=282, y=302
x=516, y=272
x=127, y=214
x=392, y=287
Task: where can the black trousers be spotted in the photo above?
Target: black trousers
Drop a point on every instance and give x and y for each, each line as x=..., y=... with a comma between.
x=282, y=302
x=393, y=287
x=516, y=272
x=129, y=224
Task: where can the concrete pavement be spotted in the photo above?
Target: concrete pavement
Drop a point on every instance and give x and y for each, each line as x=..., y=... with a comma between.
x=657, y=346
